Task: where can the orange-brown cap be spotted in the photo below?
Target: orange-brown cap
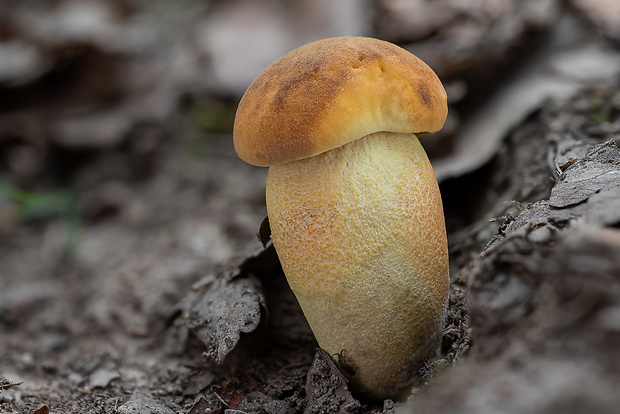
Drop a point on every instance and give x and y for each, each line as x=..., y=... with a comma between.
x=333, y=91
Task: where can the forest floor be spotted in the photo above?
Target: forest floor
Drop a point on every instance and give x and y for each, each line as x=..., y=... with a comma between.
x=131, y=276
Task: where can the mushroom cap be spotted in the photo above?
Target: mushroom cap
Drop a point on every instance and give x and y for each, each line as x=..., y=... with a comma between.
x=334, y=91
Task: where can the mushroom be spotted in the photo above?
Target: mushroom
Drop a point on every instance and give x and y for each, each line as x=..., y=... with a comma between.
x=353, y=203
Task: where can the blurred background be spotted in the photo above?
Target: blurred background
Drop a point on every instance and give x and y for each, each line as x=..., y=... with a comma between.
x=119, y=185
x=95, y=93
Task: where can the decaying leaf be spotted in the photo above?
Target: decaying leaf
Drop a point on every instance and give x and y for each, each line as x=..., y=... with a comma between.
x=229, y=398
x=43, y=410
x=598, y=171
x=327, y=389
x=543, y=297
x=223, y=306
x=5, y=384
x=201, y=407
x=198, y=382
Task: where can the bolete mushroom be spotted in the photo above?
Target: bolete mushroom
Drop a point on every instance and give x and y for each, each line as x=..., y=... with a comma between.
x=353, y=202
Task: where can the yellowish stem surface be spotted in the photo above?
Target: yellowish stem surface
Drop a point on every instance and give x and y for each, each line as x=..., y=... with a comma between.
x=361, y=237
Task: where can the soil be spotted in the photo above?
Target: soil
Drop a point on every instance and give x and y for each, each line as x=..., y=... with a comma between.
x=132, y=279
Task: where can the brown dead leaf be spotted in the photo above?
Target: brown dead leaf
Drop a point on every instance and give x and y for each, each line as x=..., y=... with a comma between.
x=202, y=407
x=264, y=232
x=43, y=410
x=228, y=397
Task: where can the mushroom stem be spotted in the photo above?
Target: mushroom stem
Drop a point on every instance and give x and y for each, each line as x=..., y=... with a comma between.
x=360, y=233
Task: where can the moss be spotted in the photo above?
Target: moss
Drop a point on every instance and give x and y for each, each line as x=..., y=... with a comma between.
x=58, y=204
